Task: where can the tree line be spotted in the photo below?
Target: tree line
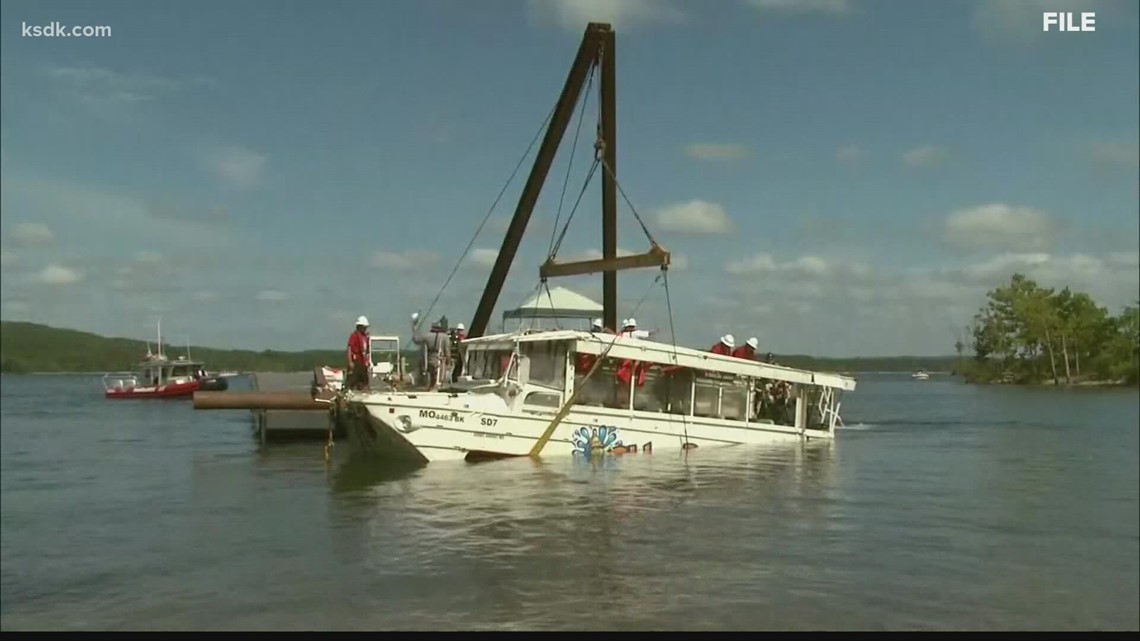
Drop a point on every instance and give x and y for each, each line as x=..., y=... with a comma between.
x=34, y=348
x=1026, y=333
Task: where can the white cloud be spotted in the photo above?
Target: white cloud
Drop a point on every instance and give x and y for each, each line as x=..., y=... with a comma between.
x=271, y=296
x=1124, y=259
x=16, y=307
x=1116, y=153
x=624, y=15
x=59, y=275
x=237, y=166
x=148, y=257
x=403, y=261
x=924, y=156
x=831, y=7
x=204, y=296
x=102, y=86
x=8, y=258
x=849, y=155
x=865, y=309
x=1112, y=280
x=108, y=220
x=803, y=267
x=717, y=151
x=483, y=257
x=32, y=234
x=694, y=217
x=1000, y=226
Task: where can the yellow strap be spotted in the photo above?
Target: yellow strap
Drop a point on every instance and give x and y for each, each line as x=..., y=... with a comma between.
x=565, y=409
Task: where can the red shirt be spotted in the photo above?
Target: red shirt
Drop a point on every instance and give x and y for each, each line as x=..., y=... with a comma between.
x=584, y=362
x=625, y=372
x=721, y=348
x=744, y=351
x=358, y=347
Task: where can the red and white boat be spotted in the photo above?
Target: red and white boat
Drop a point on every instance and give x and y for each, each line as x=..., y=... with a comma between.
x=159, y=377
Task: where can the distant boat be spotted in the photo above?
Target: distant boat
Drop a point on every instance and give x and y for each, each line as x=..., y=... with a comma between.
x=156, y=376
x=920, y=375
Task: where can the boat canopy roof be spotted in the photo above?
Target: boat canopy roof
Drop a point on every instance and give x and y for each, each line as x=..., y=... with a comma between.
x=166, y=362
x=640, y=349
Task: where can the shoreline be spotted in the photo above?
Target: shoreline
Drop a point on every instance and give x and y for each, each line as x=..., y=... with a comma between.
x=1060, y=384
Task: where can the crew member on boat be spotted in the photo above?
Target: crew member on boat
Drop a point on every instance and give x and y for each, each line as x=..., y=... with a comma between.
x=724, y=346
x=597, y=327
x=629, y=329
x=457, y=337
x=358, y=356
x=747, y=351
x=436, y=350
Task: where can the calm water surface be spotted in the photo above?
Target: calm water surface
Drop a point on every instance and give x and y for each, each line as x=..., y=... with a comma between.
x=942, y=506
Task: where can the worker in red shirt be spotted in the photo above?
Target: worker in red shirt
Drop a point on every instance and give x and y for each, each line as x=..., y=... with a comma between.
x=747, y=351
x=359, y=360
x=724, y=347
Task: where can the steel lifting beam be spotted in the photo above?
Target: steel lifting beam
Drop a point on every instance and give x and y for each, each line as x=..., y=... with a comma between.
x=655, y=257
x=597, y=36
x=609, y=188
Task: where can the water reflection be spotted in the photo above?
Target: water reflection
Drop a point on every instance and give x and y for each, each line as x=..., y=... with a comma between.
x=549, y=541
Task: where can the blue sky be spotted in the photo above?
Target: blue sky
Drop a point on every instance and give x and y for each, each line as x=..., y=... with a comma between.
x=835, y=177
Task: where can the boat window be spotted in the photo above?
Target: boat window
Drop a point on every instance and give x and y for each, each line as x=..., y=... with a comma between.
x=181, y=370
x=774, y=401
x=818, y=414
x=546, y=362
x=489, y=364
x=720, y=395
x=602, y=389
x=674, y=385
x=545, y=400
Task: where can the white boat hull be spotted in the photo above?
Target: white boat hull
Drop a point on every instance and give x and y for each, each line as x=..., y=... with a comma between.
x=427, y=427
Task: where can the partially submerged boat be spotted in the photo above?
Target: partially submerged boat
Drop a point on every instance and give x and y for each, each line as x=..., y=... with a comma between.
x=569, y=392
x=527, y=393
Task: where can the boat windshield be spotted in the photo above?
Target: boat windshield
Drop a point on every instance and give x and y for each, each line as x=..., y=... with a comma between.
x=545, y=363
x=489, y=364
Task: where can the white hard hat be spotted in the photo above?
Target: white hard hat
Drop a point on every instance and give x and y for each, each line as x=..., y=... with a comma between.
x=753, y=343
x=624, y=322
x=632, y=322
x=727, y=339
x=597, y=323
x=460, y=326
x=362, y=320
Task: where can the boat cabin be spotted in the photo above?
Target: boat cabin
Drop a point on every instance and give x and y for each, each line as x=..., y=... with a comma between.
x=156, y=371
x=537, y=372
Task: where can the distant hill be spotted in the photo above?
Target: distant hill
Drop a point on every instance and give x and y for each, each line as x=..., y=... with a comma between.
x=30, y=347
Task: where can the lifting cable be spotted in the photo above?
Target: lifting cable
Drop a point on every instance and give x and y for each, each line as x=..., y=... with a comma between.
x=566, y=227
x=641, y=222
x=573, y=148
x=487, y=217
x=673, y=338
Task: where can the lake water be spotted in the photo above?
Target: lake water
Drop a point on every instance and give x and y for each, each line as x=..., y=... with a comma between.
x=941, y=506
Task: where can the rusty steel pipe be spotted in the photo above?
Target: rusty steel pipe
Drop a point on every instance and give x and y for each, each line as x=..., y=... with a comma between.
x=256, y=401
